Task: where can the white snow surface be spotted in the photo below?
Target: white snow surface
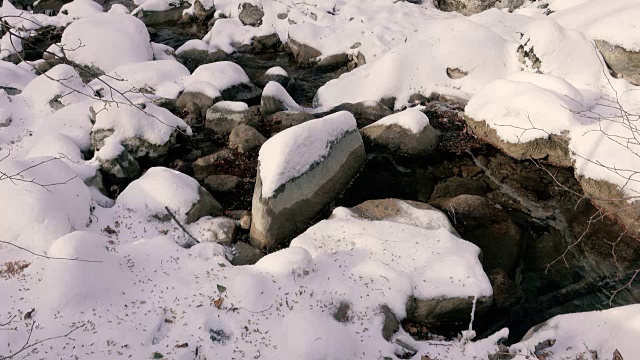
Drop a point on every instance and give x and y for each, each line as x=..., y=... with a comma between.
x=13, y=76
x=292, y=152
x=81, y=8
x=412, y=119
x=236, y=106
x=107, y=40
x=221, y=74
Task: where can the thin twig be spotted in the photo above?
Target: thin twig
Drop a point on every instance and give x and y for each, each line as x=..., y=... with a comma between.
x=180, y=225
x=48, y=257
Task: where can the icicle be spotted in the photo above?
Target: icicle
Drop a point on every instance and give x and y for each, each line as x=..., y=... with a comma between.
x=473, y=313
x=469, y=335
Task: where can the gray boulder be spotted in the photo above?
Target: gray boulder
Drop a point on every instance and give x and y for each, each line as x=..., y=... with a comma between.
x=211, y=164
x=285, y=119
x=282, y=207
x=222, y=183
x=365, y=112
x=251, y=15
x=244, y=138
x=246, y=254
x=165, y=17
x=304, y=54
x=124, y=166
x=624, y=62
x=406, y=133
x=224, y=117
x=276, y=99
x=206, y=205
x=187, y=99
x=266, y=43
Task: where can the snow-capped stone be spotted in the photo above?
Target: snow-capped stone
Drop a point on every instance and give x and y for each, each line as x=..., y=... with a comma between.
x=221, y=230
x=107, y=41
x=229, y=78
x=224, y=116
x=81, y=8
x=470, y=7
x=624, y=62
x=161, y=187
x=275, y=98
x=276, y=74
x=13, y=78
x=300, y=171
x=157, y=12
x=5, y=109
x=406, y=133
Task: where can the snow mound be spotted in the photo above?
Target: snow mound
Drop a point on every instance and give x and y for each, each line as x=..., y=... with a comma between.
x=160, y=187
x=411, y=119
x=45, y=202
x=6, y=109
x=107, y=41
x=621, y=326
x=411, y=257
x=73, y=121
x=294, y=151
x=13, y=76
x=236, y=106
x=276, y=70
x=315, y=335
x=221, y=74
x=62, y=84
x=81, y=285
x=615, y=22
x=456, y=43
x=148, y=122
x=277, y=91
x=81, y=8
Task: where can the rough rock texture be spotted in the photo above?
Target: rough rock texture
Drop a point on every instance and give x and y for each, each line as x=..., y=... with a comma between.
x=246, y=92
x=223, y=121
x=123, y=167
x=365, y=112
x=396, y=139
x=251, y=15
x=455, y=186
x=621, y=60
x=445, y=311
x=266, y=43
x=304, y=54
x=245, y=138
x=553, y=150
x=207, y=165
x=187, y=98
x=470, y=7
x=205, y=206
x=487, y=225
x=278, y=218
x=166, y=17
x=285, y=119
x=137, y=147
x=222, y=183
x=246, y=254
x=193, y=58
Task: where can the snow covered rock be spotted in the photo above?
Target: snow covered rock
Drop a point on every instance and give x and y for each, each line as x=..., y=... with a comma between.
x=410, y=244
x=276, y=74
x=58, y=87
x=161, y=187
x=246, y=254
x=123, y=166
x=570, y=336
x=624, y=62
x=228, y=78
x=365, y=112
x=81, y=8
x=44, y=202
x=405, y=133
x=107, y=41
x=300, y=171
x=224, y=116
x=275, y=98
x=142, y=130
x=245, y=138
x=251, y=15
x=157, y=12
x=470, y=7
x=221, y=230
x=5, y=109
x=13, y=78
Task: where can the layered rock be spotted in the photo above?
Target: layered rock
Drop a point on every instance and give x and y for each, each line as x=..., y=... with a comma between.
x=405, y=133
x=300, y=171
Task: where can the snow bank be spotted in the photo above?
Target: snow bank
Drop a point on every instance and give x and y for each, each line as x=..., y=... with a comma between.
x=13, y=76
x=221, y=74
x=81, y=8
x=577, y=334
x=160, y=187
x=294, y=151
x=411, y=119
x=32, y=215
x=62, y=84
x=107, y=41
x=455, y=43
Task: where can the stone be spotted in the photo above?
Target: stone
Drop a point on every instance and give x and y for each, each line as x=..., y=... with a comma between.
x=242, y=217
x=278, y=75
x=223, y=120
x=246, y=254
x=210, y=164
x=193, y=58
x=137, y=147
x=470, y=7
x=445, y=311
x=221, y=230
x=455, y=73
x=245, y=92
x=285, y=213
x=200, y=13
x=391, y=325
x=333, y=62
x=165, y=17
x=486, y=224
x=455, y=186
x=305, y=55
x=124, y=166
x=365, y=112
x=399, y=140
x=188, y=100
x=625, y=63
x=342, y=312
x=266, y=43
x=283, y=120
x=245, y=138
x=205, y=206
x=251, y=15
x=222, y=183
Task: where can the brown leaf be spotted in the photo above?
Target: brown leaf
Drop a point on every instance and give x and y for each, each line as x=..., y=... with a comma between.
x=218, y=302
x=617, y=355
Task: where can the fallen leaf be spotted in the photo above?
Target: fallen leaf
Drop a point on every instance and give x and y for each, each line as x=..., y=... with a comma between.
x=218, y=302
x=157, y=355
x=221, y=288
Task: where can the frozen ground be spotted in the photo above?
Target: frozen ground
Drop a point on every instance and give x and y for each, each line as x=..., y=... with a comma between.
x=133, y=292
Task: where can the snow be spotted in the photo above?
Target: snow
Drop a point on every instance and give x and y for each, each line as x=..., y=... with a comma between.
x=144, y=121
x=13, y=76
x=203, y=87
x=5, y=109
x=294, y=151
x=221, y=74
x=81, y=8
x=276, y=70
x=118, y=9
x=572, y=332
x=277, y=91
x=411, y=119
x=160, y=187
x=107, y=41
x=236, y=106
